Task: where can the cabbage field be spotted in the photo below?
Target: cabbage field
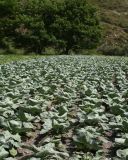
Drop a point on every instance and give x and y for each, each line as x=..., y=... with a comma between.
x=64, y=108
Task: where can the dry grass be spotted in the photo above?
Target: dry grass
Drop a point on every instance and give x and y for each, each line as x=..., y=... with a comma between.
x=114, y=18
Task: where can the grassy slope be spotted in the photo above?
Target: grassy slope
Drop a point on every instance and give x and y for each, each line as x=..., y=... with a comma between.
x=114, y=17
x=11, y=58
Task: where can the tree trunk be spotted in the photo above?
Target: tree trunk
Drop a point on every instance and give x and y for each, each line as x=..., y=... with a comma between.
x=66, y=51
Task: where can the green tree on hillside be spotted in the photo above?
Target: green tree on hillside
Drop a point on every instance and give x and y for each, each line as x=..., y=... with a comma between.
x=32, y=31
x=76, y=26
x=37, y=24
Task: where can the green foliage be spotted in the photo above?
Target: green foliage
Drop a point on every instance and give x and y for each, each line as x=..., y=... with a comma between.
x=37, y=24
x=51, y=110
x=76, y=26
x=114, y=50
x=7, y=8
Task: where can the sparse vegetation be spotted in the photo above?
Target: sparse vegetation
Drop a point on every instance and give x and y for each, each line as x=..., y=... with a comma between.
x=114, y=18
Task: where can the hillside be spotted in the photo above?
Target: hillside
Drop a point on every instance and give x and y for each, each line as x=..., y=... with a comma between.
x=114, y=19
x=64, y=27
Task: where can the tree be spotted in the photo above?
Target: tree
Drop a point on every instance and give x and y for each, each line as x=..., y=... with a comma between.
x=7, y=8
x=76, y=26
x=7, y=13
x=37, y=24
x=31, y=32
x=22, y=25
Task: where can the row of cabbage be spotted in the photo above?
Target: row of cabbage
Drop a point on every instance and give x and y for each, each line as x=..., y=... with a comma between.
x=64, y=108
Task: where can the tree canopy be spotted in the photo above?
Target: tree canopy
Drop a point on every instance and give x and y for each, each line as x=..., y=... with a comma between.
x=37, y=24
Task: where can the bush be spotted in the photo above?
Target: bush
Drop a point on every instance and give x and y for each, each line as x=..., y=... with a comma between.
x=114, y=50
x=125, y=50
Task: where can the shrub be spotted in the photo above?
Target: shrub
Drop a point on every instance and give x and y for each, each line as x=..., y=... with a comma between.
x=114, y=50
